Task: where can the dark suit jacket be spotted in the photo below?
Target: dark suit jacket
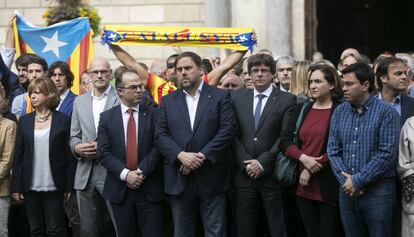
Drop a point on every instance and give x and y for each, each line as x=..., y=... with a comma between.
x=60, y=156
x=212, y=134
x=407, y=108
x=67, y=104
x=277, y=121
x=111, y=149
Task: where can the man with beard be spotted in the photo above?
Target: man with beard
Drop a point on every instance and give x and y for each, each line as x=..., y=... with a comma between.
x=195, y=129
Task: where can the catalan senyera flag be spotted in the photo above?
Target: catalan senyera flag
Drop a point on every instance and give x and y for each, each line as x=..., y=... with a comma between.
x=228, y=38
x=69, y=41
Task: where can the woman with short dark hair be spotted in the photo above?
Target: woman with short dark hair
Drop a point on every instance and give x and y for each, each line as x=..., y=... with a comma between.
x=317, y=190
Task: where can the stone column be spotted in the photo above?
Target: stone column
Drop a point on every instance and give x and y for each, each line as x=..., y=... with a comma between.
x=278, y=22
x=217, y=13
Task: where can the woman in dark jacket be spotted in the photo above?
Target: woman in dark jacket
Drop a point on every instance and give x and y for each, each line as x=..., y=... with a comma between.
x=317, y=190
x=43, y=167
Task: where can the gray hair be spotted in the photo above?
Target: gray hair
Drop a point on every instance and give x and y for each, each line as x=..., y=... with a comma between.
x=285, y=60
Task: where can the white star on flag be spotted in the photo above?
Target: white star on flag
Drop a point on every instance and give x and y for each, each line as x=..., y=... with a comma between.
x=112, y=36
x=53, y=44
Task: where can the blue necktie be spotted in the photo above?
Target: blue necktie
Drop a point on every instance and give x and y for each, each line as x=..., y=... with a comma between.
x=258, y=110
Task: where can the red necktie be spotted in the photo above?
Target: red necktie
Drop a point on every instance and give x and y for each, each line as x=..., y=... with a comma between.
x=131, y=147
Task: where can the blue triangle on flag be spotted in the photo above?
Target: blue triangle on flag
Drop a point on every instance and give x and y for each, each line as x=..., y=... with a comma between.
x=56, y=42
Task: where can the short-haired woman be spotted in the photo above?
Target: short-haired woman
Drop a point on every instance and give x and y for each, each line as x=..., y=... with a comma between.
x=43, y=167
x=317, y=190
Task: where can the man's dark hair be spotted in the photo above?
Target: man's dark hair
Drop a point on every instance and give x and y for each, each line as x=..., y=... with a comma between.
x=363, y=72
x=173, y=56
x=64, y=67
x=383, y=67
x=23, y=60
x=207, y=65
x=261, y=59
x=193, y=56
x=119, y=73
x=33, y=58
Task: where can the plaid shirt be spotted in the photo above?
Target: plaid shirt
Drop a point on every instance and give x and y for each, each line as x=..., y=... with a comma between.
x=364, y=144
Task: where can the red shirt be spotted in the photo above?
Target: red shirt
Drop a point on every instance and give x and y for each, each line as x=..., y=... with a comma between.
x=312, y=137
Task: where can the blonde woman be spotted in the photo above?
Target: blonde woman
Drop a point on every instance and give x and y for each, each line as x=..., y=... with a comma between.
x=7, y=140
x=298, y=83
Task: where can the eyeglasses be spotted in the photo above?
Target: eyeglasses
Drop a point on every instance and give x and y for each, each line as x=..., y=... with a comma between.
x=102, y=72
x=170, y=65
x=132, y=87
x=262, y=70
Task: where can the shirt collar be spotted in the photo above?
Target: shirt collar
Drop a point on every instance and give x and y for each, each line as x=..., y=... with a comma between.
x=267, y=92
x=63, y=96
x=103, y=95
x=198, y=92
x=366, y=104
x=125, y=108
x=396, y=100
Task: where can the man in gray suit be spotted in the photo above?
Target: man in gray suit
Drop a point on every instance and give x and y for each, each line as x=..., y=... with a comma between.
x=90, y=175
x=264, y=115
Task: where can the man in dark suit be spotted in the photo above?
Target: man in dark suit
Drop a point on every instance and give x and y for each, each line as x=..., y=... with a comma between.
x=264, y=115
x=392, y=81
x=134, y=180
x=194, y=131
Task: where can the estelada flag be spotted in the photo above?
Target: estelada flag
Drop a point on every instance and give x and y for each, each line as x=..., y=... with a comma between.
x=68, y=41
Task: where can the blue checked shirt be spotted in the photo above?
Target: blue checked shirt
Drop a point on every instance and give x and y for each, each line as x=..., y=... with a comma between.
x=364, y=144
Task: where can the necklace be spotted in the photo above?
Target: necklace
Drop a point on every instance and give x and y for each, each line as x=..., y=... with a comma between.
x=42, y=119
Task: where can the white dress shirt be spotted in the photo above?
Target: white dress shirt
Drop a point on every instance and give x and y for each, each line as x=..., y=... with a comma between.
x=267, y=93
x=62, y=98
x=192, y=103
x=125, y=118
x=98, y=105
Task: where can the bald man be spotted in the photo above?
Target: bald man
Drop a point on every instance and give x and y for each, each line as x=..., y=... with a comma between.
x=90, y=175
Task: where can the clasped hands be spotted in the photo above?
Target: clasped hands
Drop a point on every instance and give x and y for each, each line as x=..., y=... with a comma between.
x=253, y=168
x=311, y=165
x=349, y=188
x=134, y=179
x=190, y=161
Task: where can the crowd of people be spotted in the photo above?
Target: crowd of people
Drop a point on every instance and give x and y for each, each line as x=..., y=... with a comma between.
x=189, y=147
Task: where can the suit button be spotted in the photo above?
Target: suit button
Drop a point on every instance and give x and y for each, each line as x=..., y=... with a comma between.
x=255, y=139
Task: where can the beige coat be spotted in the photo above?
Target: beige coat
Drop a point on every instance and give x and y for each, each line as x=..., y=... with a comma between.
x=405, y=167
x=7, y=140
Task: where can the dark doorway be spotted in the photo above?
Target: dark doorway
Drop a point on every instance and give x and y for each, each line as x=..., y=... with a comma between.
x=371, y=26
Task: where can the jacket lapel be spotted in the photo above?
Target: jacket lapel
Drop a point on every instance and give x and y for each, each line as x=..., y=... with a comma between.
x=30, y=129
x=112, y=99
x=202, y=104
x=89, y=113
x=183, y=110
x=404, y=108
x=142, y=120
